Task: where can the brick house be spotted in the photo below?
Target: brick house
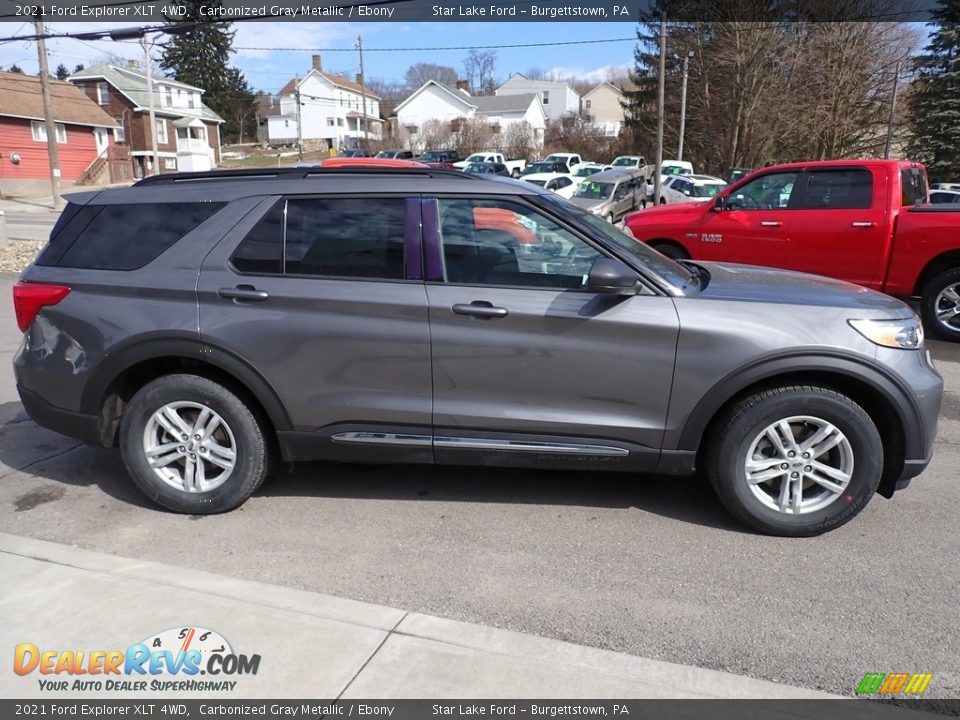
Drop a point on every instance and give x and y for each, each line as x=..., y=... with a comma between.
x=188, y=132
x=84, y=131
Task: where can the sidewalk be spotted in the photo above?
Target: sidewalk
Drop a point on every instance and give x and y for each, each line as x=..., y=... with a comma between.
x=313, y=645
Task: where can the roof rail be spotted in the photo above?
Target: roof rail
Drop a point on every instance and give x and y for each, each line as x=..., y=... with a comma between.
x=294, y=174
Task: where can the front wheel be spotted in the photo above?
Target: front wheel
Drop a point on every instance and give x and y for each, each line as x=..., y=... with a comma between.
x=515, y=174
x=795, y=461
x=193, y=446
x=940, y=305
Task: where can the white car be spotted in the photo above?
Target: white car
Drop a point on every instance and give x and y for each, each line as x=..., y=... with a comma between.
x=559, y=183
x=630, y=161
x=571, y=159
x=946, y=186
x=690, y=188
x=945, y=197
x=514, y=166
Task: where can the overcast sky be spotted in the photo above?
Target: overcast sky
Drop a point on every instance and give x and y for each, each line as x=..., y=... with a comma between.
x=268, y=70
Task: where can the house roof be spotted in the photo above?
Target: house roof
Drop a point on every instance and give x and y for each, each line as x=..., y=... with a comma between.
x=463, y=97
x=603, y=84
x=338, y=80
x=553, y=83
x=487, y=104
x=132, y=83
x=20, y=96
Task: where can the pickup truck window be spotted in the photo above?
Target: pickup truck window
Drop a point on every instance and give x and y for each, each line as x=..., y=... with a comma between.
x=839, y=190
x=767, y=192
x=914, y=187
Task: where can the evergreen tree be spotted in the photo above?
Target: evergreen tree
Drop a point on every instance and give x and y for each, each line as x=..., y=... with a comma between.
x=200, y=57
x=62, y=73
x=15, y=69
x=79, y=67
x=935, y=98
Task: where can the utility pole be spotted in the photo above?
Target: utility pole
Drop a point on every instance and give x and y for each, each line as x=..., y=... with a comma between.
x=363, y=91
x=660, y=102
x=683, y=103
x=48, y=116
x=296, y=96
x=147, y=46
x=893, y=109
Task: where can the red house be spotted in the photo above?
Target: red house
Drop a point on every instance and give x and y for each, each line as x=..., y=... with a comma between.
x=84, y=130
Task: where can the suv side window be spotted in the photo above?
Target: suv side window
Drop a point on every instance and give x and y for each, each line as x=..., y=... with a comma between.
x=331, y=237
x=498, y=242
x=345, y=237
x=839, y=190
x=771, y=191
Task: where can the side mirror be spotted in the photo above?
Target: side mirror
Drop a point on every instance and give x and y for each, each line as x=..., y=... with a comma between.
x=718, y=204
x=608, y=275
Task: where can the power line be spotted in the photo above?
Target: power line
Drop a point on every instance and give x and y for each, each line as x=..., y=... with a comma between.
x=450, y=47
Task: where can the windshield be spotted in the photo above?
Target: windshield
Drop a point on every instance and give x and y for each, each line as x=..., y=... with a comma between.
x=478, y=168
x=431, y=156
x=542, y=167
x=538, y=183
x=594, y=190
x=555, y=158
x=621, y=161
x=586, y=171
x=707, y=191
x=385, y=154
x=666, y=269
x=674, y=170
x=477, y=157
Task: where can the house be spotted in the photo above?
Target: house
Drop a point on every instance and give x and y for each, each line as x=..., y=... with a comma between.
x=434, y=101
x=603, y=108
x=334, y=111
x=83, y=129
x=558, y=98
x=187, y=131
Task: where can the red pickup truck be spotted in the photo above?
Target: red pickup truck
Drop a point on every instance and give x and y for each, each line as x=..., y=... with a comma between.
x=863, y=221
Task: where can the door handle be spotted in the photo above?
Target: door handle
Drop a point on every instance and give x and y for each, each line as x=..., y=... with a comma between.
x=771, y=223
x=863, y=224
x=479, y=309
x=243, y=292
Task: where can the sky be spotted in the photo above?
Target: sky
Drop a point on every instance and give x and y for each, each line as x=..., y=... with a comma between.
x=269, y=69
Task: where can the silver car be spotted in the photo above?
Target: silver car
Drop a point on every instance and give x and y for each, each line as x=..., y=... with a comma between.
x=610, y=194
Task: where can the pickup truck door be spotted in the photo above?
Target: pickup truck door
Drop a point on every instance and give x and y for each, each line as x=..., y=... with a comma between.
x=754, y=224
x=841, y=228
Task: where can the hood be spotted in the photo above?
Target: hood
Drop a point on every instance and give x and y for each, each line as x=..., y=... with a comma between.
x=665, y=212
x=751, y=283
x=586, y=203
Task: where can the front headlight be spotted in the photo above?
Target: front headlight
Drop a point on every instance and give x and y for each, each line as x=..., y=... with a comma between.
x=905, y=334
x=596, y=209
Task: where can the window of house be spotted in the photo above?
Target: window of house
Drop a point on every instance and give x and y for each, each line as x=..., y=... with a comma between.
x=39, y=131
x=546, y=97
x=103, y=93
x=119, y=132
x=162, y=130
x=330, y=122
x=183, y=134
x=169, y=163
x=191, y=100
x=588, y=104
x=166, y=97
x=489, y=242
x=340, y=122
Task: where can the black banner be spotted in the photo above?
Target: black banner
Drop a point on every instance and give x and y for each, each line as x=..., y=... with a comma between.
x=163, y=11
x=472, y=709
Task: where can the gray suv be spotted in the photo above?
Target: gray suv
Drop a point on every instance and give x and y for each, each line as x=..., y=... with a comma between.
x=210, y=324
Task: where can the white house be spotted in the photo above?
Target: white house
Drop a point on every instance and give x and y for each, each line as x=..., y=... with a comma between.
x=436, y=101
x=558, y=98
x=332, y=109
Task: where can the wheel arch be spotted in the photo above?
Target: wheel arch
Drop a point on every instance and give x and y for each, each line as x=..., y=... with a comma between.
x=882, y=396
x=658, y=242
x=125, y=371
x=941, y=263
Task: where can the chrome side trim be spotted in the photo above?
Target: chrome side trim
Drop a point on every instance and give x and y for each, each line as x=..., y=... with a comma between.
x=529, y=446
x=381, y=438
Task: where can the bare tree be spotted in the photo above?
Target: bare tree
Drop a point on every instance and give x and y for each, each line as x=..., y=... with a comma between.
x=479, y=68
x=518, y=141
x=420, y=73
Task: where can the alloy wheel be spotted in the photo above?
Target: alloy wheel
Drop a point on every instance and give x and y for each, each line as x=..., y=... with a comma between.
x=947, y=307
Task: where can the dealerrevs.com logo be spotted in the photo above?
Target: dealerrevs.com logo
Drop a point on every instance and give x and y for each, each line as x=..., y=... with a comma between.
x=172, y=660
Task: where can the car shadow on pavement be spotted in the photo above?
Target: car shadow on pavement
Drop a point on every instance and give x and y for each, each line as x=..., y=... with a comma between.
x=681, y=498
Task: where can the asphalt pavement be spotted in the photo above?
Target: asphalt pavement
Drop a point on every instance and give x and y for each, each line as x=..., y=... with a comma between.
x=651, y=567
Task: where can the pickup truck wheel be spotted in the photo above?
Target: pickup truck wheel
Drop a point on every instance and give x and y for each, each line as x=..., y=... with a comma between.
x=940, y=305
x=795, y=461
x=193, y=446
x=515, y=174
x=671, y=250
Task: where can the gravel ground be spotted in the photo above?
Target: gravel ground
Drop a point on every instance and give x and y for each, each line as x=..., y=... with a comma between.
x=17, y=254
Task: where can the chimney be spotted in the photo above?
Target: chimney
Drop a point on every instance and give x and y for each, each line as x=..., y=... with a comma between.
x=135, y=64
x=359, y=79
x=317, y=64
x=463, y=86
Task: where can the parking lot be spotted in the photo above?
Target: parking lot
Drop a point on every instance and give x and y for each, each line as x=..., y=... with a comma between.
x=651, y=566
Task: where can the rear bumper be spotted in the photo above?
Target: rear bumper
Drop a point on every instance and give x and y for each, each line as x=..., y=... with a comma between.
x=66, y=422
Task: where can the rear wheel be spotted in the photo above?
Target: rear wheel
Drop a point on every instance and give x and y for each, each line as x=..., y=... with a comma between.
x=515, y=174
x=795, y=461
x=940, y=305
x=193, y=446
x=663, y=201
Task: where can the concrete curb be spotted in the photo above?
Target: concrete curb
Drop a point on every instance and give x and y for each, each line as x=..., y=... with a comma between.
x=413, y=655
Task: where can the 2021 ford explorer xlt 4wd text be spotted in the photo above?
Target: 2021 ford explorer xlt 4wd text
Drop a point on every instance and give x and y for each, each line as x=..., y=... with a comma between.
x=210, y=324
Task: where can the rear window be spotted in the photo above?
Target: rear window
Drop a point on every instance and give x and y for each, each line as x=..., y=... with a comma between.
x=914, y=187
x=120, y=237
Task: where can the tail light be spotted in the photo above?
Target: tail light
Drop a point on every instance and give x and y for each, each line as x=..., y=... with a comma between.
x=29, y=298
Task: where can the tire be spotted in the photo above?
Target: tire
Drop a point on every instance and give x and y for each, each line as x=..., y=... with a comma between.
x=609, y=218
x=942, y=295
x=671, y=250
x=740, y=433
x=663, y=201
x=232, y=427
x=515, y=174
